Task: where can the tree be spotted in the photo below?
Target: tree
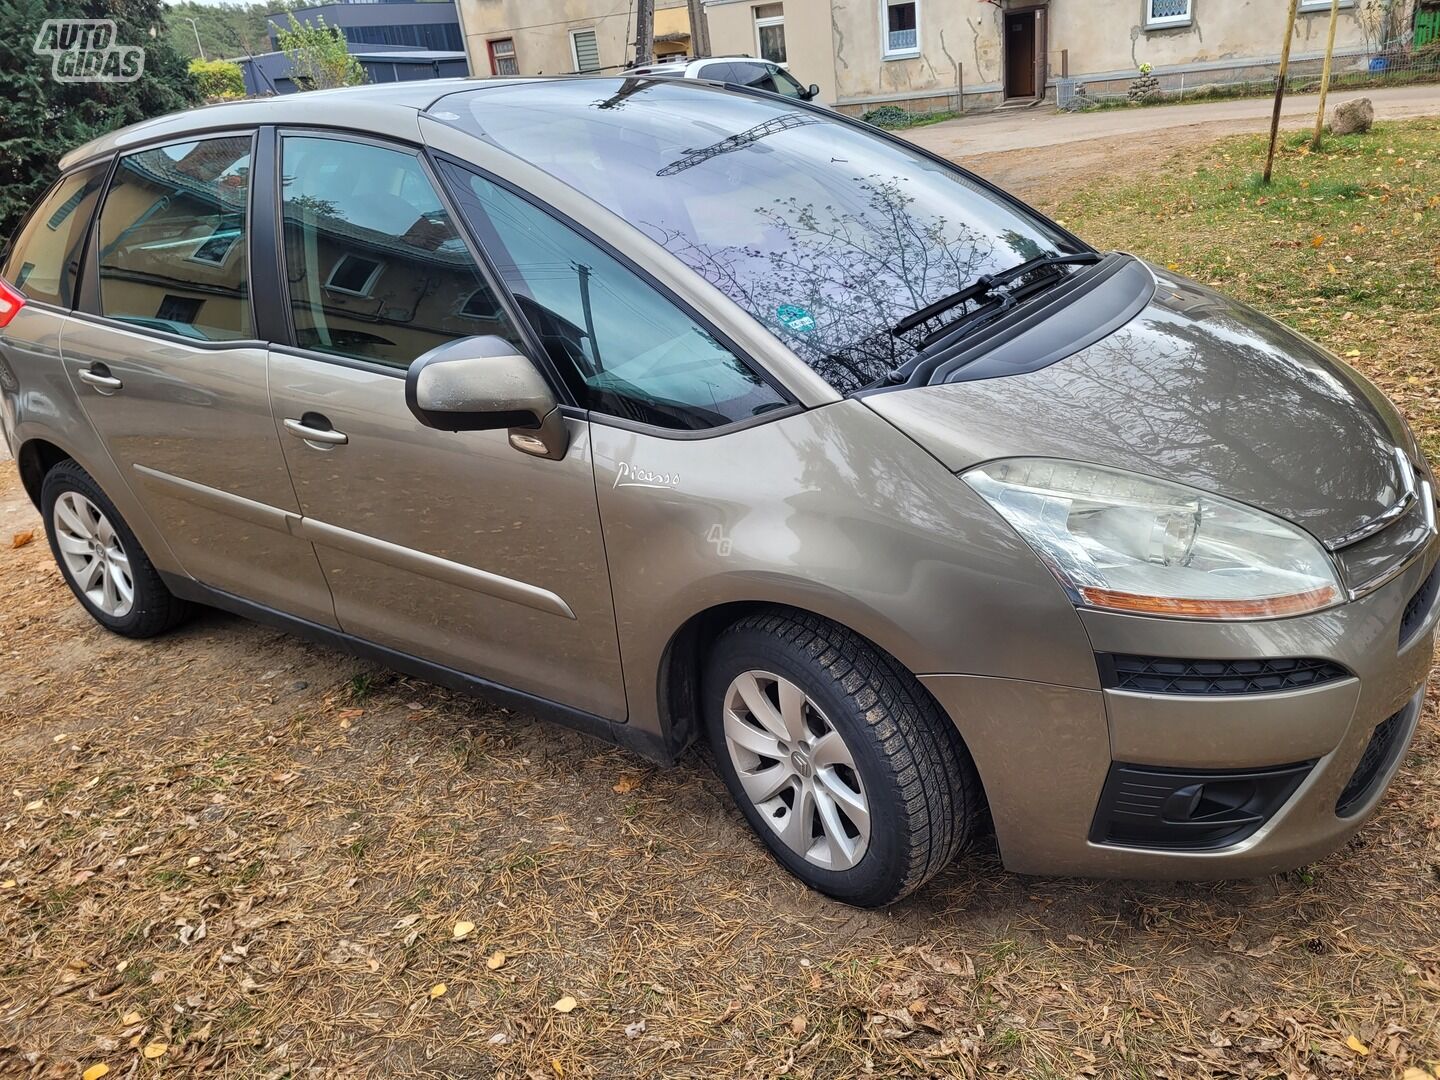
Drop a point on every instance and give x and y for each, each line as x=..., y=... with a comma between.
x=218, y=80
x=319, y=59
x=228, y=31
x=42, y=118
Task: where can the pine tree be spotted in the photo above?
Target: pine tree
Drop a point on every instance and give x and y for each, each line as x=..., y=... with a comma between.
x=41, y=118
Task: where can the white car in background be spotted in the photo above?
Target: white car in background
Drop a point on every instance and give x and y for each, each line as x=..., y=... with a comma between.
x=734, y=70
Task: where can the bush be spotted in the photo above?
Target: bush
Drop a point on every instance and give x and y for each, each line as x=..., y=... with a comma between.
x=218, y=80
x=889, y=116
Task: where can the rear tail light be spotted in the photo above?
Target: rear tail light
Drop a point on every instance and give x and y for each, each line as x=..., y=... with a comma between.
x=10, y=303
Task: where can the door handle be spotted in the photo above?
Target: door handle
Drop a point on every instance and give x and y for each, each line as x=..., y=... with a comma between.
x=98, y=376
x=308, y=428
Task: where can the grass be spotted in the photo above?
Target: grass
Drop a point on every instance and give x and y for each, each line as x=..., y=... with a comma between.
x=359, y=818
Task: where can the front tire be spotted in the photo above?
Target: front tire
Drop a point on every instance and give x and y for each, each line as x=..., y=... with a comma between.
x=844, y=766
x=101, y=560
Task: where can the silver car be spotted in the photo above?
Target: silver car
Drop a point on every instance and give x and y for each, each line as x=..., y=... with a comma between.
x=679, y=413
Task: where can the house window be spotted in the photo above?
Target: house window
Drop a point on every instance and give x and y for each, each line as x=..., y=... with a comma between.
x=770, y=31
x=502, y=57
x=584, y=50
x=1323, y=5
x=1162, y=13
x=354, y=274
x=900, y=27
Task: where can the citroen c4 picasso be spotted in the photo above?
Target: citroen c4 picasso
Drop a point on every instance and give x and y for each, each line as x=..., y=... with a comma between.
x=681, y=413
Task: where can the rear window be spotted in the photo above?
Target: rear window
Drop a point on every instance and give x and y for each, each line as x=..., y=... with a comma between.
x=825, y=233
x=44, y=261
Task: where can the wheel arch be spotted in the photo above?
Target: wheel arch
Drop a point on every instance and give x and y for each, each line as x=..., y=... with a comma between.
x=35, y=458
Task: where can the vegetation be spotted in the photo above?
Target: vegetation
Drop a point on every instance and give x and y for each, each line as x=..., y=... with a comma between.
x=43, y=118
x=318, y=57
x=218, y=80
x=227, y=31
x=894, y=118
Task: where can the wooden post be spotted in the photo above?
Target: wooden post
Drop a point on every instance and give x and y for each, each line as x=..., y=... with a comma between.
x=699, y=29
x=1325, y=76
x=1064, y=63
x=644, y=31
x=1280, y=88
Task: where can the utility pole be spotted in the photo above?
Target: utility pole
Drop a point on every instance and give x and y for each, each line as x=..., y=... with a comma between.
x=699, y=29
x=644, y=31
x=1280, y=88
x=1325, y=75
x=197, y=36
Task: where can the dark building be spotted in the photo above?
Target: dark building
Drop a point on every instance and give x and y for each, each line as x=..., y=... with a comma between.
x=404, y=23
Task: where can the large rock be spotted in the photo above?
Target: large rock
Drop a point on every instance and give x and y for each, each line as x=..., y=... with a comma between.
x=1352, y=117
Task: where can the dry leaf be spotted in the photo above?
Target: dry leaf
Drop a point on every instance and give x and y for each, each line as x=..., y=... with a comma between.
x=495, y=960
x=566, y=1004
x=463, y=930
x=625, y=785
x=438, y=990
x=94, y=1072
x=155, y=1049
x=559, y=1069
x=1316, y=241
x=1355, y=1044
x=131, y=1017
x=20, y=539
x=8, y=883
x=635, y=1030
x=1416, y=1074
x=797, y=1025
x=36, y=804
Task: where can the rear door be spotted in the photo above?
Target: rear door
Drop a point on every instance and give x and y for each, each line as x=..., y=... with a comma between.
x=451, y=546
x=167, y=363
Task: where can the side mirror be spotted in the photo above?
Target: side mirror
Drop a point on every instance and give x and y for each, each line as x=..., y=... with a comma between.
x=813, y=91
x=481, y=384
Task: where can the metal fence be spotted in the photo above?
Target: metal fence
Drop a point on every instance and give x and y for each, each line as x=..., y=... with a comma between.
x=1350, y=70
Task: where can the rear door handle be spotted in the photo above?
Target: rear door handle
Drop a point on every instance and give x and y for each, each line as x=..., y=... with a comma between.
x=98, y=376
x=309, y=428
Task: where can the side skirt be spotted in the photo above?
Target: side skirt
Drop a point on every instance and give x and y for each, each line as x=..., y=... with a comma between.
x=644, y=743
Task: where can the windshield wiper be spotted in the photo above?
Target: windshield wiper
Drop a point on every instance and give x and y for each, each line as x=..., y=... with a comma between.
x=988, y=283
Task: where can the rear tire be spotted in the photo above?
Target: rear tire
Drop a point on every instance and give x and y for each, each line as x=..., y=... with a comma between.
x=101, y=560
x=844, y=766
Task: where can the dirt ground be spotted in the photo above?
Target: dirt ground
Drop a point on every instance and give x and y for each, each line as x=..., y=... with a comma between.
x=227, y=852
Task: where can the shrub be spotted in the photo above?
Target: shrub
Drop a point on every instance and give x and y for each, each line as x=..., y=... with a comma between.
x=218, y=80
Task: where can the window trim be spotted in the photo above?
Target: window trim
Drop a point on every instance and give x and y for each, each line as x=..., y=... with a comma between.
x=886, y=53
x=87, y=291
x=1171, y=22
x=514, y=55
x=768, y=21
x=791, y=406
x=575, y=52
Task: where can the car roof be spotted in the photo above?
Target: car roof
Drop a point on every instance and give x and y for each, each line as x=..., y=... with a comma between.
x=384, y=108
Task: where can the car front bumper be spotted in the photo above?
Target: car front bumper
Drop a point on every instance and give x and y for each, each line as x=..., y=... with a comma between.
x=1045, y=752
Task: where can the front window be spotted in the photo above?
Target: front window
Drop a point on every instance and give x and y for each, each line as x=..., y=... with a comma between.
x=825, y=233
x=770, y=32
x=902, y=28
x=1162, y=13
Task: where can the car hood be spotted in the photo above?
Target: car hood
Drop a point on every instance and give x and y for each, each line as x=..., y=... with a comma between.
x=1198, y=388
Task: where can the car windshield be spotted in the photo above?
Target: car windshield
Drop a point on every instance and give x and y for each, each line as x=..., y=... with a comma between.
x=825, y=233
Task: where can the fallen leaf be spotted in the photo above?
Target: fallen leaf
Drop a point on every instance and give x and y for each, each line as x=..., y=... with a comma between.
x=797, y=1025
x=131, y=1017
x=438, y=990
x=155, y=1049
x=496, y=960
x=99, y=1069
x=36, y=804
x=498, y=1039
x=1416, y=1074
x=625, y=785
x=8, y=883
x=566, y=1004
x=1355, y=1044
x=1316, y=241
x=463, y=930
x=20, y=539
x=635, y=1030
x=559, y=1069
x=918, y=1006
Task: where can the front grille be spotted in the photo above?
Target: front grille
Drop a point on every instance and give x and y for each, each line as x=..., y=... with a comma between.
x=1379, y=755
x=1165, y=675
x=1181, y=809
x=1419, y=605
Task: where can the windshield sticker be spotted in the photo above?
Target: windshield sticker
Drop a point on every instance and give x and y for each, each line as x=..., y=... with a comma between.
x=795, y=319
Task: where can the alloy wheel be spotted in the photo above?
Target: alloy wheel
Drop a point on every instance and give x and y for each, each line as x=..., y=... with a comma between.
x=795, y=768
x=93, y=554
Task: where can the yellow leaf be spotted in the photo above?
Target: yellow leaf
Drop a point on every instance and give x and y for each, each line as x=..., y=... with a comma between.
x=20, y=539
x=1416, y=1074
x=559, y=1069
x=1172, y=266
x=131, y=1017
x=8, y=883
x=495, y=960
x=155, y=1049
x=1331, y=268
x=566, y=1004
x=1355, y=1044
x=463, y=929
x=1316, y=241
x=34, y=805
x=625, y=785
x=94, y=1072
x=1353, y=353
x=438, y=990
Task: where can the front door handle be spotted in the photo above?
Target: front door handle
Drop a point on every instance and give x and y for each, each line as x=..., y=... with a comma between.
x=314, y=428
x=98, y=376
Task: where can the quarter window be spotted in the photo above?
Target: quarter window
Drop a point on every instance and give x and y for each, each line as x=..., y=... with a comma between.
x=44, y=261
x=173, y=239
x=375, y=268
x=902, y=27
x=626, y=349
x=1162, y=13
x=770, y=31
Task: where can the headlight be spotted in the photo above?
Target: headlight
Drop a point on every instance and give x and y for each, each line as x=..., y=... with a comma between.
x=1129, y=543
